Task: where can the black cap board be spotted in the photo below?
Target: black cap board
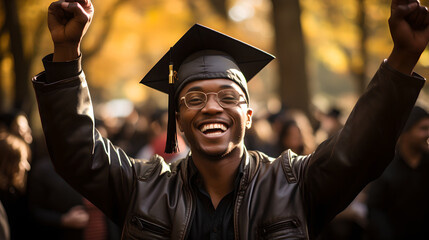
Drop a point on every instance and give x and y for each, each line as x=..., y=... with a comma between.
x=203, y=53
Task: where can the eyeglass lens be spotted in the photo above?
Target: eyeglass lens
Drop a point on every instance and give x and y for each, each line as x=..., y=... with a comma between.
x=226, y=98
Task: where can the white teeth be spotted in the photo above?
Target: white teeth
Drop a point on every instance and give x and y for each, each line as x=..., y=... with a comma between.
x=213, y=126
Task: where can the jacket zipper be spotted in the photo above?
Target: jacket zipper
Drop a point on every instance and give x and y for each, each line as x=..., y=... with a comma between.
x=288, y=224
x=190, y=212
x=238, y=199
x=236, y=208
x=151, y=227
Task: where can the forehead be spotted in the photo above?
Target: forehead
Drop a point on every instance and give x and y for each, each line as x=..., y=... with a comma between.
x=422, y=122
x=210, y=85
x=419, y=125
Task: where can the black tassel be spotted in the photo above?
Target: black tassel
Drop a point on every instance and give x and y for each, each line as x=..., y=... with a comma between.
x=171, y=145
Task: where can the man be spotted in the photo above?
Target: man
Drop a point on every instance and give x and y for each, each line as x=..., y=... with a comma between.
x=221, y=190
x=15, y=162
x=398, y=201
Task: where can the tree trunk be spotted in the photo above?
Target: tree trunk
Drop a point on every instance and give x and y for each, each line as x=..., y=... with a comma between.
x=2, y=91
x=21, y=65
x=289, y=42
x=220, y=7
x=361, y=79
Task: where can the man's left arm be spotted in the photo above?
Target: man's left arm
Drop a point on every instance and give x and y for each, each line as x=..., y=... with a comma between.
x=342, y=166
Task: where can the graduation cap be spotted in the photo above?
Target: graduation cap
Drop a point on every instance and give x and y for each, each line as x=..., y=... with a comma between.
x=203, y=53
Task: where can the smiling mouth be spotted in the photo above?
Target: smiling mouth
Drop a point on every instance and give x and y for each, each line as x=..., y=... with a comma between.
x=213, y=128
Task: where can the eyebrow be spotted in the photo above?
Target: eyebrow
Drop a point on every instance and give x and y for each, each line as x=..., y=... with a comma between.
x=197, y=88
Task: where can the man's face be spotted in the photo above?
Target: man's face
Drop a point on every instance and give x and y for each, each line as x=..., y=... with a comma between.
x=213, y=131
x=293, y=140
x=418, y=135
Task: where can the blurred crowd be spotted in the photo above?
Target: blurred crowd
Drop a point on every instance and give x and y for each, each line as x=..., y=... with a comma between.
x=37, y=203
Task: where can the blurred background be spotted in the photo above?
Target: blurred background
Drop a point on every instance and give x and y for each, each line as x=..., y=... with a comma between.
x=326, y=50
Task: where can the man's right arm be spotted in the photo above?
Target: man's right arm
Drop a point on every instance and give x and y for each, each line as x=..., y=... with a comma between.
x=91, y=164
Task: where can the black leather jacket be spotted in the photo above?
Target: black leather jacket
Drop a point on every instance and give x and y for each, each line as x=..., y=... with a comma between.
x=287, y=197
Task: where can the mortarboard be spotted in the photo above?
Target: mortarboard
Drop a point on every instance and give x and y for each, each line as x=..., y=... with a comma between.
x=203, y=53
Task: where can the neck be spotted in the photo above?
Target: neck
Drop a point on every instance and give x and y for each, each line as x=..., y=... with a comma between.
x=218, y=175
x=410, y=155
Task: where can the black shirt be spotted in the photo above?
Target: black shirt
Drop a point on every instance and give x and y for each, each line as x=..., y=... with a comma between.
x=398, y=201
x=208, y=222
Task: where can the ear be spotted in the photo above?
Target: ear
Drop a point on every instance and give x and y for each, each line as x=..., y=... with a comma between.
x=179, y=124
x=249, y=115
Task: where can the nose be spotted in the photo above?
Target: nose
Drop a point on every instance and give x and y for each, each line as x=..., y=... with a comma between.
x=212, y=105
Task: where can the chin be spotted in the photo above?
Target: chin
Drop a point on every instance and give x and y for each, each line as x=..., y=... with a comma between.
x=215, y=153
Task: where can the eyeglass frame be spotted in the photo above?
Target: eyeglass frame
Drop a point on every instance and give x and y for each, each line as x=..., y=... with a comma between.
x=216, y=98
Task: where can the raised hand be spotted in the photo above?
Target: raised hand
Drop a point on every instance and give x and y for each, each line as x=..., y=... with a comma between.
x=68, y=21
x=409, y=27
x=77, y=217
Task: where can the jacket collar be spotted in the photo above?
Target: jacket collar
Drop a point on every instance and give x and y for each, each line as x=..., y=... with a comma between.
x=247, y=168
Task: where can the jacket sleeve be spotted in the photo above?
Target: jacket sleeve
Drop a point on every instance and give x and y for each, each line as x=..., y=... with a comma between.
x=342, y=165
x=90, y=163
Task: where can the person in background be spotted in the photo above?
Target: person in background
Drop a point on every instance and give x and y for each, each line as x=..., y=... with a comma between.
x=59, y=211
x=158, y=136
x=16, y=122
x=329, y=124
x=221, y=190
x=15, y=158
x=290, y=137
x=296, y=133
x=260, y=135
x=398, y=202
x=4, y=224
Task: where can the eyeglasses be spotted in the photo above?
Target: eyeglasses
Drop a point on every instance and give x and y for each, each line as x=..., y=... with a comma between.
x=227, y=98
